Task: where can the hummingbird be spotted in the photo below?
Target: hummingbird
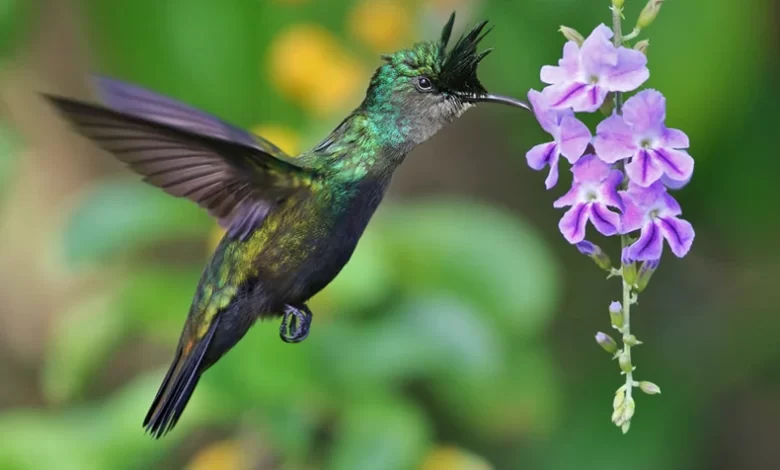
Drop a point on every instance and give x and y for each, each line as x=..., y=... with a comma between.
x=292, y=223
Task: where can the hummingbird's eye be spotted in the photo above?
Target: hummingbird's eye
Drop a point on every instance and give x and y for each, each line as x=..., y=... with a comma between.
x=424, y=84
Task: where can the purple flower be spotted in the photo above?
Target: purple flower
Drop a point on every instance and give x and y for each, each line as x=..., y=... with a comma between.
x=640, y=134
x=585, y=75
x=653, y=211
x=570, y=137
x=594, y=190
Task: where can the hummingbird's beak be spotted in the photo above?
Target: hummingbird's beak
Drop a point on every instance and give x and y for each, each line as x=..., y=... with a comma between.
x=491, y=98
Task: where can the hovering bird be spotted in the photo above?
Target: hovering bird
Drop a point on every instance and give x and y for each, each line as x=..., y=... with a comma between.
x=291, y=223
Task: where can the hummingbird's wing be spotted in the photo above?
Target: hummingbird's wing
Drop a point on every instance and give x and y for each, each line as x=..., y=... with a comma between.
x=236, y=176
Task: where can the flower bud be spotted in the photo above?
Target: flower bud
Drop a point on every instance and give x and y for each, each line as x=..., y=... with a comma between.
x=629, y=268
x=642, y=46
x=618, y=3
x=625, y=427
x=649, y=12
x=631, y=340
x=616, y=314
x=645, y=272
x=606, y=342
x=629, y=409
x=625, y=363
x=571, y=34
x=649, y=388
x=620, y=397
x=595, y=253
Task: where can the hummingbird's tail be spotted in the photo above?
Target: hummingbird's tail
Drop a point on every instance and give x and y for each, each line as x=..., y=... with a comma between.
x=177, y=386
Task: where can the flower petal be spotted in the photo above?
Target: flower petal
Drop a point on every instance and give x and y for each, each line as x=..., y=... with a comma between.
x=567, y=69
x=650, y=244
x=614, y=140
x=574, y=137
x=633, y=215
x=545, y=154
x=547, y=117
x=645, y=112
x=605, y=221
x=672, y=184
x=675, y=139
x=676, y=164
x=608, y=191
x=679, y=234
x=590, y=169
x=541, y=155
x=629, y=73
x=598, y=53
x=572, y=224
x=571, y=197
x=563, y=95
x=642, y=170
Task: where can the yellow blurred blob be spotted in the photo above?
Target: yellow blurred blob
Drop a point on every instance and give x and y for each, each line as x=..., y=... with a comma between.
x=382, y=24
x=283, y=137
x=452, y=458
x=309, y=66
x=223, y=455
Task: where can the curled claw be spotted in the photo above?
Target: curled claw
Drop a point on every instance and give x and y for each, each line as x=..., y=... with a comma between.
x=295, y=324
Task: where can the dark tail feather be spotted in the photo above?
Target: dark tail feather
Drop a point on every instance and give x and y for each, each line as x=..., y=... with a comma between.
x=177, y=387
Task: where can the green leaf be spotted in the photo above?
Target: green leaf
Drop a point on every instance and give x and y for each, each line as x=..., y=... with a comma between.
x=478, y=253
x=123, y=215
x=381, y=436
x=82, y=339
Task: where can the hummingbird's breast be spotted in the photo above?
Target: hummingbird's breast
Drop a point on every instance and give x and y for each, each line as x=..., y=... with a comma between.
x=307, y=241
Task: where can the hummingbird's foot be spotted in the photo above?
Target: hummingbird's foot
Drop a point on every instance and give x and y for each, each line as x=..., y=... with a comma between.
x=295, y=324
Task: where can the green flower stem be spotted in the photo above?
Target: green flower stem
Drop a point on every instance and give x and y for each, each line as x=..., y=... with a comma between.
x=617, y=40
x=626, y=331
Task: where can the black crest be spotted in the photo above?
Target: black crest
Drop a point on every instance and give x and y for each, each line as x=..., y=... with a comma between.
x=459, y=65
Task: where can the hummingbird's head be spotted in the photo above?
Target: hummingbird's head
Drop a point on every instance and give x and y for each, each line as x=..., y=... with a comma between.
x=428, y=86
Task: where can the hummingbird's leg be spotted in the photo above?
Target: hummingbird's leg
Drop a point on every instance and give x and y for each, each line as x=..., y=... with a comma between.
x=295, y=324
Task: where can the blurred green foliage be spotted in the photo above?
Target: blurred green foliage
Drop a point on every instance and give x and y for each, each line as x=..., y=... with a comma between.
x=455, y=322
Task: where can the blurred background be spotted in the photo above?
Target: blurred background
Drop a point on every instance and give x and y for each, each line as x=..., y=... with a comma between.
x=460, y=336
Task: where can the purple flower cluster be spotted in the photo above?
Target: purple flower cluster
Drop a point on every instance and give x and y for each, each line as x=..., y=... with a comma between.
x=620, y=175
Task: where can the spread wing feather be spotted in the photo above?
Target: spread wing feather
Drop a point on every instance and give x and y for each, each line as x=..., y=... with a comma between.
x=237, y=177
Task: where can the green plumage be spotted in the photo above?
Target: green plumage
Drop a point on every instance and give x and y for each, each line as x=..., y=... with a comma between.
x=292, y=223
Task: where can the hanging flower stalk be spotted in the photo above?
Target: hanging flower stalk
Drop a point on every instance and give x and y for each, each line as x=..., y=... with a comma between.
x=621, y=174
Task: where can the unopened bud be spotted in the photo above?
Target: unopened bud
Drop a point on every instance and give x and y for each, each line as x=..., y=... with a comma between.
x=629, y=268
x=631, y=340
x=606, y=342
x=629, y=409
x=620, y=397
x=595, y=253
x=650, y=388
x=625, y=363
x=571, y=34
x=645, y=272
x=618, y=3
x=625, y=427
x=642, y=46
x=616, y=314
x=649, y=12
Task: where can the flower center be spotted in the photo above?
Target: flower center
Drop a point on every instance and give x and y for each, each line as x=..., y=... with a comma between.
x=654, y=213
x=591, y=196
x=594, y=79
x=645, y=143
